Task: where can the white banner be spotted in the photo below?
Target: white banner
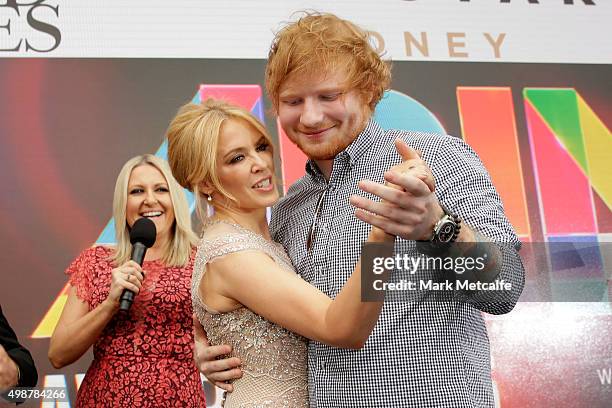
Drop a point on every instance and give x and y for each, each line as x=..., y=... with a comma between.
x=575, y=31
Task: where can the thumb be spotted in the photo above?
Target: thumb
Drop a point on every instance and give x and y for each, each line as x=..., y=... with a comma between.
x=405, y=151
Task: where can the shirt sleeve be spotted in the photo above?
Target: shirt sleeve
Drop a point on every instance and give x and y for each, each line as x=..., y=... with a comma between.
x=465, y=187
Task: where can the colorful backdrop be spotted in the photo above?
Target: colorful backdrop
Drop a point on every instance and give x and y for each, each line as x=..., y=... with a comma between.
x=539, y=115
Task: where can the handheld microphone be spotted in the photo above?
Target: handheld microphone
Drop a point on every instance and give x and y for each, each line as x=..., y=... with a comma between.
x=142, y=236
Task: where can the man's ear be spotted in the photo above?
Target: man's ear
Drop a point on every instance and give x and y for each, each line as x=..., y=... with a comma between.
x=367, y=99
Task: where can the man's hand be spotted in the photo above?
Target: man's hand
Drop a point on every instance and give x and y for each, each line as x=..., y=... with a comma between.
x=206, y=359
x=8, y=371
x=413, y=164
x=408, y=207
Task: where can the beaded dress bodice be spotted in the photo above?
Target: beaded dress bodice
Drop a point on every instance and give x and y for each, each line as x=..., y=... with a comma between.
x=274, y=360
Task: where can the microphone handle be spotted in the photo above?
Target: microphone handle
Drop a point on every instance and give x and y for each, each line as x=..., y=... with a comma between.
x=127, y=297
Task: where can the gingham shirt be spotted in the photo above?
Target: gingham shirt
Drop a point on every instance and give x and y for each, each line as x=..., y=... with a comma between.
x=420, y=354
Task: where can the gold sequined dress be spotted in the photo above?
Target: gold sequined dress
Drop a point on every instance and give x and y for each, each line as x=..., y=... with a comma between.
x=274, y=360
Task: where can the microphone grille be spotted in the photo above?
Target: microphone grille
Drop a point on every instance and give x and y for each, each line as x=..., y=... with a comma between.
x=143, y=231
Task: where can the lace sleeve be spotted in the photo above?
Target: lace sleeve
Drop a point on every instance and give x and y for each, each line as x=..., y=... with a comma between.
x=80, y=273
x=211, y=248
x=228, y=244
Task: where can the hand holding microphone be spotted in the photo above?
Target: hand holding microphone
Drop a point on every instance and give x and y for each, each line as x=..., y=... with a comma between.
x=127, y=278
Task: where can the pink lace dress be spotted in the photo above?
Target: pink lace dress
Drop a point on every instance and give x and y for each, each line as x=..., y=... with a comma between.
x=144, y=358
x=274, y=360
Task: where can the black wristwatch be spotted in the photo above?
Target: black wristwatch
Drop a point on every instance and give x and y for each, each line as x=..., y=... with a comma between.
x=444, y=233
x=447, y=229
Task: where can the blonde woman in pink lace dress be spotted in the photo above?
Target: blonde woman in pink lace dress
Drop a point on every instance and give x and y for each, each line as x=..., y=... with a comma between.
x=144, y=358
x=245, y=291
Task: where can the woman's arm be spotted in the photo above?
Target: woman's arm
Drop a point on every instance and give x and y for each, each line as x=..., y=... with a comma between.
x=256, y=281
x=78, y=327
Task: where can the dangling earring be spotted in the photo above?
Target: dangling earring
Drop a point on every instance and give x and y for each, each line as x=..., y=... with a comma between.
x=210, y=208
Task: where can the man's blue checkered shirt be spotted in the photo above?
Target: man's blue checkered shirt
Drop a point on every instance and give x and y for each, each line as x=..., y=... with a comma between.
x=420, y=354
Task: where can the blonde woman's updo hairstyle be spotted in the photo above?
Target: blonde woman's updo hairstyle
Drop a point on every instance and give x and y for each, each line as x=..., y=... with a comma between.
x=193, y=140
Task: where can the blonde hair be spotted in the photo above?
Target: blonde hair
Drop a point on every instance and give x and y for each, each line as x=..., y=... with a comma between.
x=178, y=251
x=193, y=140
x=323, y=42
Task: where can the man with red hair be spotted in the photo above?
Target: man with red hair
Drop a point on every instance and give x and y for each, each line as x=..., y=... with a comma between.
x=324, y=80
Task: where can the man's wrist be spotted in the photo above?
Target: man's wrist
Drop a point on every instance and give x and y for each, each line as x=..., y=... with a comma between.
x=438, y=214
x=444, y=232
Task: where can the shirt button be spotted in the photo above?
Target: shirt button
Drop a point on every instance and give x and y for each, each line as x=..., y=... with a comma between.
x=322, y=365
x=323, y=226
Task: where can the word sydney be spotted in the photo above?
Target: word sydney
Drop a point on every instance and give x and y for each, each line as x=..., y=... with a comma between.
x=457, y=44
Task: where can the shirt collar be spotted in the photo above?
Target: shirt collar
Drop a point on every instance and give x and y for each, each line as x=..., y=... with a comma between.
x=353, y=151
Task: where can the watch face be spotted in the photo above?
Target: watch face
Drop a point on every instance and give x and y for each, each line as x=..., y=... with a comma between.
x=446, y=231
